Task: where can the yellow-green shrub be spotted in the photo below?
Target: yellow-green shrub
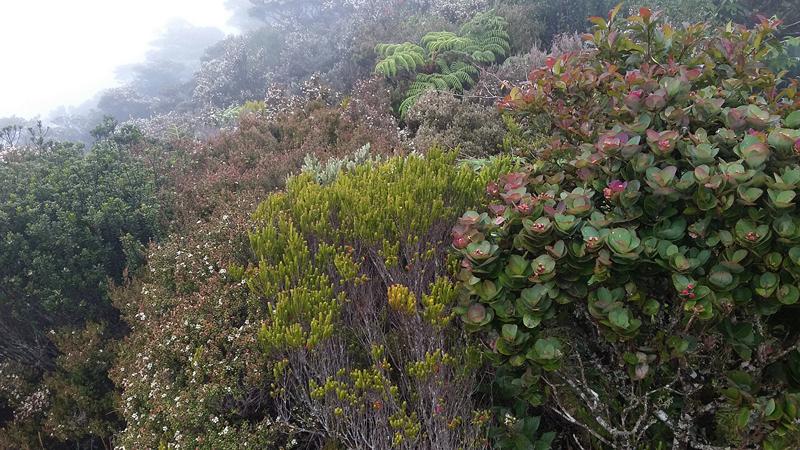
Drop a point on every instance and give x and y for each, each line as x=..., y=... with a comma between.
x=356, y=279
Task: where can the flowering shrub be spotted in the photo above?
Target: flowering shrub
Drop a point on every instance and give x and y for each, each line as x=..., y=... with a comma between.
x=641, y=277
x=71, y=404
x=358, y=326
x=190, y=371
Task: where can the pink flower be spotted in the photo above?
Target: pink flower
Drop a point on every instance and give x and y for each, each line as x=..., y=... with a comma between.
x=797, y=146
x=460, y=242
x=614, y=188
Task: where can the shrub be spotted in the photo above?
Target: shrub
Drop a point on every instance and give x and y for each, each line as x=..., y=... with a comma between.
x=327, y=172
x=70, y=405
x=641, y=277
x=266, y=145
x=495, y=81
x=190, y=373
x=62, y=217
x=66, y=218
x=439, y=119
x=359, y=302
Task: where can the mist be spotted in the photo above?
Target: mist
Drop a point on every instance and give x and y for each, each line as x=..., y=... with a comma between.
x=60, y=54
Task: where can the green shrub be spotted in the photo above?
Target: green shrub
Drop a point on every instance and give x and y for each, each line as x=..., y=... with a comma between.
x=440, y=119
x=641, y=278
x=359, y=295
x=70, y=221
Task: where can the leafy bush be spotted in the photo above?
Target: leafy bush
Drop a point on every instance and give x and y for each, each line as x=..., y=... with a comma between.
x=66, y=219
x=190, y=372
x=62, y=218
x=445, y=60
x=440, y=119
x=327, y=172
x=71, y=404
x=640, y=278
x=358, y=326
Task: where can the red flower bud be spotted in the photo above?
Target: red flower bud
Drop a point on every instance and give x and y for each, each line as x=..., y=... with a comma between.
x=460, y=242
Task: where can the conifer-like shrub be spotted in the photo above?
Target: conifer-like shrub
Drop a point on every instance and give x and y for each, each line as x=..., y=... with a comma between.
x=359, y=323
x=641, y=277
x=445, y=60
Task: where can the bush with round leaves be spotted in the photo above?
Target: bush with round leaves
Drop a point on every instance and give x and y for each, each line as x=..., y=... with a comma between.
x=641, y=277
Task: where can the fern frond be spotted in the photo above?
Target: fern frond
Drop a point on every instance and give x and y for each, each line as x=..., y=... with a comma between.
x=443, y=41
x=496, y=42
x=384, y=50
x=419, y=86
x=407, y=104
x=469, y=69
x=406, y=56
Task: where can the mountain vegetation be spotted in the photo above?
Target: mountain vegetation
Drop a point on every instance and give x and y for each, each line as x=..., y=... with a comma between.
x=417, y=224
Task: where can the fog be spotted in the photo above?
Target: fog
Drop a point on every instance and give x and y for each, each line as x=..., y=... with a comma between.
x=62, y=53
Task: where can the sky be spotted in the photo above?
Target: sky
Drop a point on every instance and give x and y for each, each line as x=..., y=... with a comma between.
x=62, y=52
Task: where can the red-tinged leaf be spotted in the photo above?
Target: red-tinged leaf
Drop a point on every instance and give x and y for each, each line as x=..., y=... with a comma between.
x=645, y=13
x=693, y=74
x=550, y=62
x=599, y=22
x=613, y=13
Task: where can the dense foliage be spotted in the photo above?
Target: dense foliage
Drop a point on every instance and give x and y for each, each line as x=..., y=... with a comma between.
x=65, y=220
x=358, y=323
x=70, y=220
x=259, y=255
x=641, y=277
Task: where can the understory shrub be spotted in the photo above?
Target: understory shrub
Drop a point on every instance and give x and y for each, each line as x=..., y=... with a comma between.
x=640, y=277
x=359, y=297
x=190, y=373
x=440, y=119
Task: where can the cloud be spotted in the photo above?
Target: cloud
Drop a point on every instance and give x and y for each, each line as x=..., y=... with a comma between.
x=60, y=52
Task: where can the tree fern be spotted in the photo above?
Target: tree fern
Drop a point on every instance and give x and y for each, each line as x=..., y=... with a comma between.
x=442, y=41
x=405, y=56
x=449, y=59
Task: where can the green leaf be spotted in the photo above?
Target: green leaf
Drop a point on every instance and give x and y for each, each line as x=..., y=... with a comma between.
x=792, y=120
x=509, y=332
x=620, y=317
x=742, y=418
